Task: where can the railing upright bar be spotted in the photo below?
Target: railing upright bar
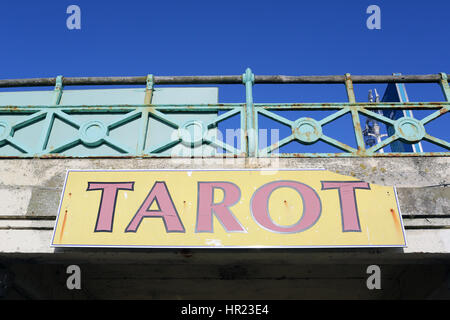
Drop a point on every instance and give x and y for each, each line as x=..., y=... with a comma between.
x=355, y=116
x=444, y=86
x=248, y=78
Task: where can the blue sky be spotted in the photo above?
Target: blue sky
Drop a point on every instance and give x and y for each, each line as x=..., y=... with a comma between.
x=199, y=37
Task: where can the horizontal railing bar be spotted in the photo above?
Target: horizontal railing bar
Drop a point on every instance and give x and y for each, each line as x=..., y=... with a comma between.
x=340, y=79
x=230, y=155
x=322, y=106
x=230, y=79
x=139, y=80
x=357, y=155
x=336, y=106
x=119, y=108
x=277, y=155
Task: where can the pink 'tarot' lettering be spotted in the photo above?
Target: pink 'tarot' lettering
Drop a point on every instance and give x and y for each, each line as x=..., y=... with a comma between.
x=166, y=210
x=349, y=208
x=312, y=207
x=206, y=208
x=105, y=216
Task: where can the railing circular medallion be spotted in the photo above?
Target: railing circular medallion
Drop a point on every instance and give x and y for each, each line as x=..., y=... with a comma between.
x=192, y=133
x=93, y=132
x=409, y=129
x=307, y=130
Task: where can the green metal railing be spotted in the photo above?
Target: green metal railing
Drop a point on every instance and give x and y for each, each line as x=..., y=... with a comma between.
x=124, y=128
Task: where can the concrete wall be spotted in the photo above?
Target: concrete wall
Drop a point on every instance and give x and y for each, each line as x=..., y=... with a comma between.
x=30, y=191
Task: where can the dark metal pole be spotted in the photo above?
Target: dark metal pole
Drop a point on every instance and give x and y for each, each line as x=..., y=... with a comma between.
x=175, y=80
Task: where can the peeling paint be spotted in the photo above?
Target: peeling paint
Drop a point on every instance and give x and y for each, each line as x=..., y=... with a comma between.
x=214, y=242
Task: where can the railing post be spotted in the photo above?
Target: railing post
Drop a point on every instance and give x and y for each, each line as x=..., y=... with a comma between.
x=444, y=86
x=355, y=116
x=49, y=117
x=143, y=127
x=248, y=78
x=149, y=89
x=58, y=90
x=349, y=87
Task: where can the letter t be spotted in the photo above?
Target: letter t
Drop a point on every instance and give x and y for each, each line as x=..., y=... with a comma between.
x=347, y=197
x=108, y=200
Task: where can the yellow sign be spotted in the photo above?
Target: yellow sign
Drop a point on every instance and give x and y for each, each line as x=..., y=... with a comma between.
x=225, y=208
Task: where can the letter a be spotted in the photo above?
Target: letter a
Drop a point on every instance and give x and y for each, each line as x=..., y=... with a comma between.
x=374, y=21
x=166, y=210
x=374, y=281
x=74, y=280
x=74, y=20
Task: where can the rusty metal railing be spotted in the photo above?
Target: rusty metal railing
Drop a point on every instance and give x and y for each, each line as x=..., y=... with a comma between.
x=95, y=133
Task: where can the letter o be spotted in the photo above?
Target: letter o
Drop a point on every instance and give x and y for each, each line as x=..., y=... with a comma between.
x=312, y=207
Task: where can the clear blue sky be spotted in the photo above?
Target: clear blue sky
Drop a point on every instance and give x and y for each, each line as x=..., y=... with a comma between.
x=209, y=37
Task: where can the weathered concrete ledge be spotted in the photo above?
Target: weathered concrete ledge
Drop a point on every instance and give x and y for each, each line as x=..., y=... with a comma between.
x=427, y=244
x=31, y=190
x=400, y=172
x=33, y=186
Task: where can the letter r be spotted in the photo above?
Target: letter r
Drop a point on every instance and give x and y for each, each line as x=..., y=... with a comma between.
x=207, y=208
